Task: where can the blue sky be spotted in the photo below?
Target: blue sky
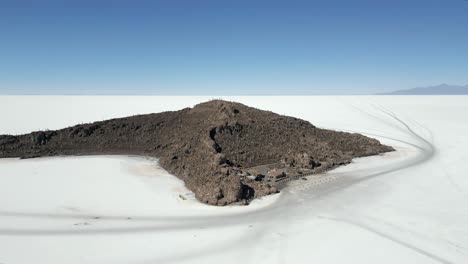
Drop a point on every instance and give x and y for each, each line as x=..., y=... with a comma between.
x=230, y=47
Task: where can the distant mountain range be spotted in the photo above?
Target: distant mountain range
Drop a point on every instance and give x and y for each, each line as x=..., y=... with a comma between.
x=432, y=90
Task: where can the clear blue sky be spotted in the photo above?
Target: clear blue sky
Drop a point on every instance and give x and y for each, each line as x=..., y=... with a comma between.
x=231, y=47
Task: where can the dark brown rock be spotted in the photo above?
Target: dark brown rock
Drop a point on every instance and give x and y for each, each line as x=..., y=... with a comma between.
x=7, y=139
x=207, y=146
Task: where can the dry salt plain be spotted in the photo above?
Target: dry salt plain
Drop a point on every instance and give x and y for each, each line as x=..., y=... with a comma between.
x=408, y=206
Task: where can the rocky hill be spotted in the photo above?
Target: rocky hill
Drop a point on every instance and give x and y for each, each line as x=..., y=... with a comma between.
x=211, y=146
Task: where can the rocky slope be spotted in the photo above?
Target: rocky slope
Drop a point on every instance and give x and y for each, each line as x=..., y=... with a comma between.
x=209, y=146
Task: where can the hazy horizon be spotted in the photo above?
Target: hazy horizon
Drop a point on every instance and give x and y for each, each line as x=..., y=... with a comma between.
x=442, y=89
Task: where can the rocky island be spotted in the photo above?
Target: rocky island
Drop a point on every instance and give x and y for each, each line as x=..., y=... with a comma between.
x=225, y=152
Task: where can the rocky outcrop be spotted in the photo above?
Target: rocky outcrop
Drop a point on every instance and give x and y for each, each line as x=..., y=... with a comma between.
x=301, y=160
x=208, y=146
x=7, y=139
